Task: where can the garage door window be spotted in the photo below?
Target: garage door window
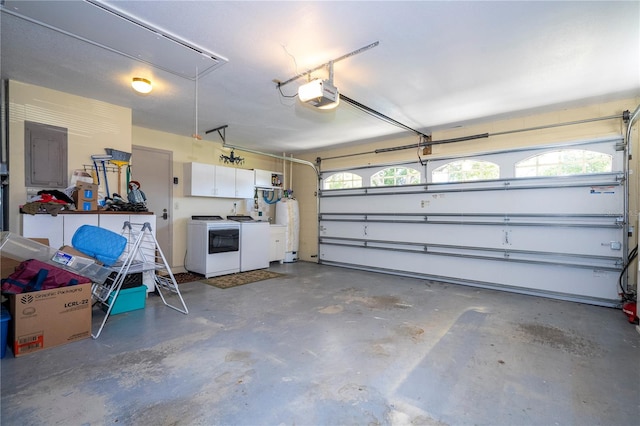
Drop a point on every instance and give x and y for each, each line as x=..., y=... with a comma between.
x=466, y=170
x=395, y=176
x=564, y=163
x=342, y=180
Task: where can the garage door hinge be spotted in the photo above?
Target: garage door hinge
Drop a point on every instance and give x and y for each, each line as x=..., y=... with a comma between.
x=620, y=146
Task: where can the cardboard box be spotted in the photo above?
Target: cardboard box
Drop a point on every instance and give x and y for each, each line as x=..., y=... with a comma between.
x=49, y=318
x=85, y=197
x=74, y=252
x=8, y=265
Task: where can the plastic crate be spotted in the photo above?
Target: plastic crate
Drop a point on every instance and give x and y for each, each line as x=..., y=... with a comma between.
x=130, y=280
x=129, y=299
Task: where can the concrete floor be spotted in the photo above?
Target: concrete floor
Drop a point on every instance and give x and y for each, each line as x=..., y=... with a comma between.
x=331, y=346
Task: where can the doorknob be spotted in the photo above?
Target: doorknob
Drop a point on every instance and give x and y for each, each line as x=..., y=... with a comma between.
x=165, y=215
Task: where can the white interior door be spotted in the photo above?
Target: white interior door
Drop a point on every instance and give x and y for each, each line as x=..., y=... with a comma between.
x=153, y=168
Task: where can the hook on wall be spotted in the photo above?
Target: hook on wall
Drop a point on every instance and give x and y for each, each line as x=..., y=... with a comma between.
x=221, y=132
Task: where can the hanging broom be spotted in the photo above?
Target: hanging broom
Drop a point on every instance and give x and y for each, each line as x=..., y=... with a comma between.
x=119, y=158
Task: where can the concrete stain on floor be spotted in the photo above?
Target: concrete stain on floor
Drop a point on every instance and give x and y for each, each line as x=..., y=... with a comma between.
x=556, y=338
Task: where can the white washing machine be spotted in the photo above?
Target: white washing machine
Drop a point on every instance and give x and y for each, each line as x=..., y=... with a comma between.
x=213, y=246
x=254, y=243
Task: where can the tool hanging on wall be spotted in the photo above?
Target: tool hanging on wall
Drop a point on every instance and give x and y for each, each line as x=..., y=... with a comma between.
x=119, y=158
x=103, y=159
x=95, y=173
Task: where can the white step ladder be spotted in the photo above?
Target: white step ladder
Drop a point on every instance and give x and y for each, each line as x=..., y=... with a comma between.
x=142, y=254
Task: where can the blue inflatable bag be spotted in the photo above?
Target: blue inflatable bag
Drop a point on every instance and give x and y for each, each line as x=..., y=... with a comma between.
x=104, y=245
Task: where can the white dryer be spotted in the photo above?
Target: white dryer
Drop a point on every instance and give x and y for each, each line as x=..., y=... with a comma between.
x=254, y=243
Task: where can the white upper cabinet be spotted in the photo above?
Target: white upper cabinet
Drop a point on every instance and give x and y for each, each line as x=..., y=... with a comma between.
x=199, y=179
x=225, y=182
x=244, y=183
x=267, y=179
x=208, y=180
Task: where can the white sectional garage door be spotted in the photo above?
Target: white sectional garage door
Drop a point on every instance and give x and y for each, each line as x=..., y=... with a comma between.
x=559, y=236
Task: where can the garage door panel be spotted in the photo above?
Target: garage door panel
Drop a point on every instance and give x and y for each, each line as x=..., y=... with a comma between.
x=467, y=252
x=560, y=281
x=551, y=239
x=559, y=200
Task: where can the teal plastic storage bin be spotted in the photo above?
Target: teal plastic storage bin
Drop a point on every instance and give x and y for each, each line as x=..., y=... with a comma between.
x=5, y=317
x=129, y=299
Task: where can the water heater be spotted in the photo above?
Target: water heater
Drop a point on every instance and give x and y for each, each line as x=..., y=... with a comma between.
x=287, y=214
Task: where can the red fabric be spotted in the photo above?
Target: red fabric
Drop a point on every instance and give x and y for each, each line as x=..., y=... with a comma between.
x=48, y=198
x=34, y=275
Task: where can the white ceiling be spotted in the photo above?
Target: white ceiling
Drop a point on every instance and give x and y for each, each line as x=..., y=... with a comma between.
x=437, y=65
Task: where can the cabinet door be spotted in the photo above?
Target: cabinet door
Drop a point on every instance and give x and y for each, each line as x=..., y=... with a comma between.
x=225, y=182
x=199, y=179
x=262, y=178
x=277, y=247
x=267, y=179
x=113, y=222
x=244, y=183
x=74, y=221
x=44, y=226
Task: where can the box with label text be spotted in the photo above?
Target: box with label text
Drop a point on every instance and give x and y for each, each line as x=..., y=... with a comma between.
x=85, y=196
x=48, y=318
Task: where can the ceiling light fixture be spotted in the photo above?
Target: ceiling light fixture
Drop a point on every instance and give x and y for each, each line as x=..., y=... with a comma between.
x=141, y=85
x=231, y=158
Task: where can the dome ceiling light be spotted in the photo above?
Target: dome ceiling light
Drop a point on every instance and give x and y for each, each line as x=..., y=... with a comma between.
x=141, y=85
